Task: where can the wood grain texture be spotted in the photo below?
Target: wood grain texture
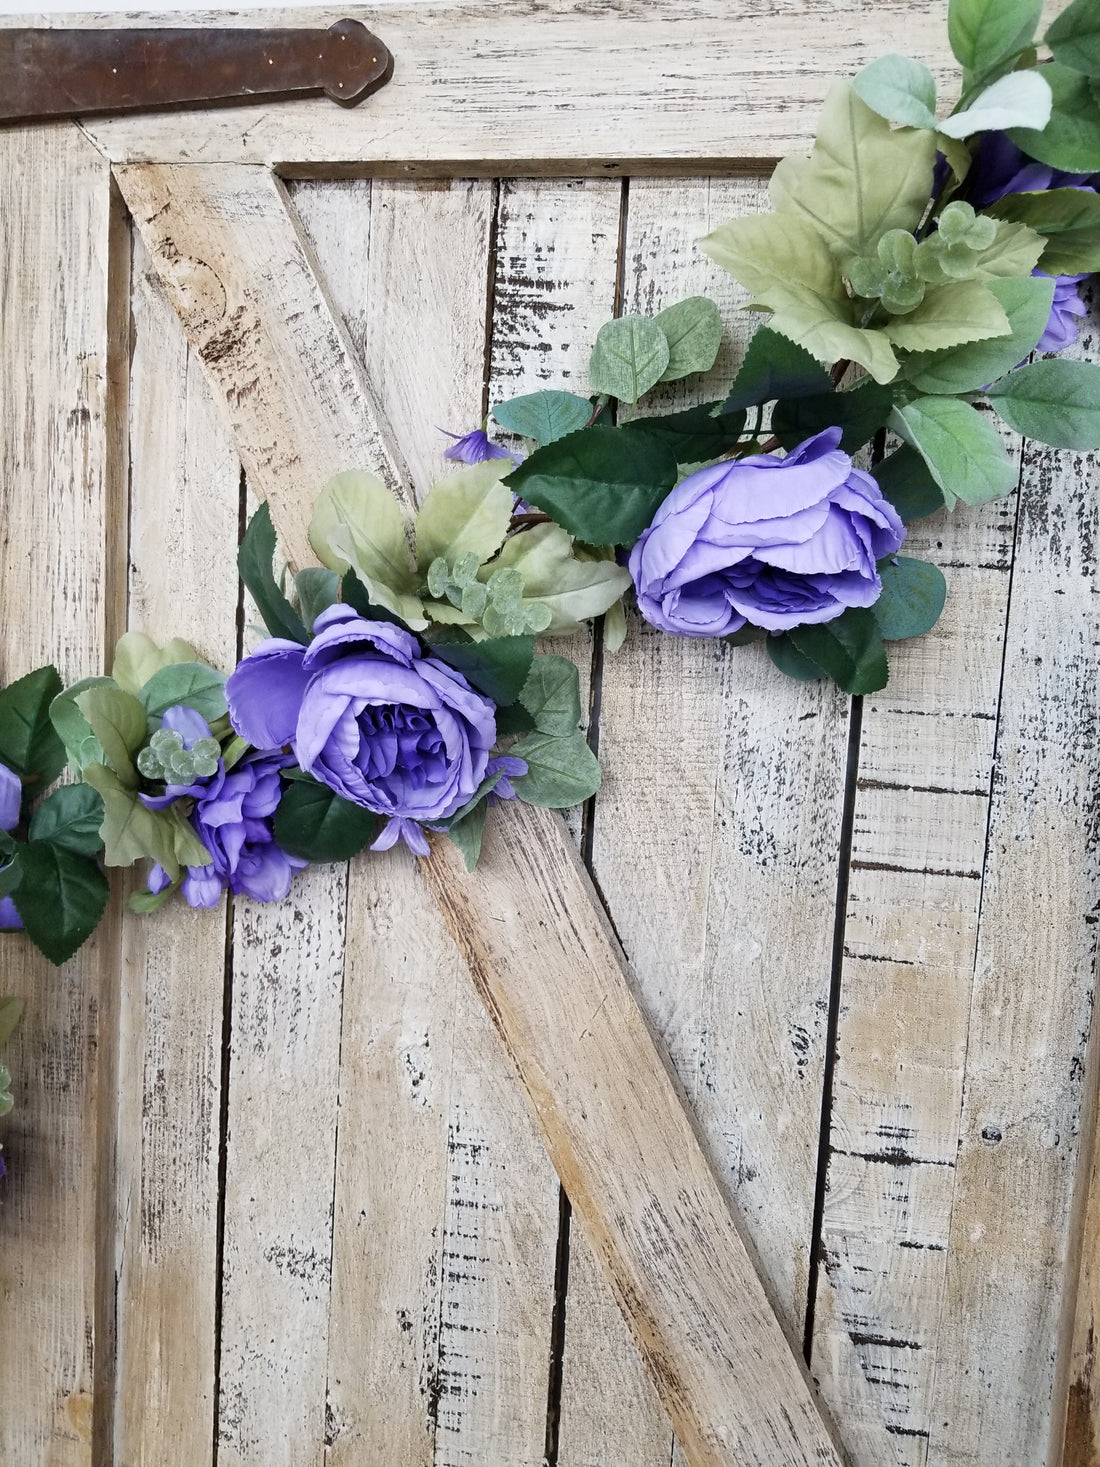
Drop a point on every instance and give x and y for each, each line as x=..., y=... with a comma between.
x=59, y=490
x=482, y=86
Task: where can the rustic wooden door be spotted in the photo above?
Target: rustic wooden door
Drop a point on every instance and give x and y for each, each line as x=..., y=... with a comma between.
x=275, y=1197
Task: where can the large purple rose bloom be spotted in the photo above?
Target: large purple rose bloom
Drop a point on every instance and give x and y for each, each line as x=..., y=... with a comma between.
x=401, y=734
x=776, y=542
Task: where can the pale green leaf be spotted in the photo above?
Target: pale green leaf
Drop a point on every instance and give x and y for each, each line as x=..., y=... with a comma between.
x=614, y=627
x=957, y=155
x=629, y=357
x=1068, y=220
x=466, y=513
x=573, y=590
x=899, y=89
x=130, y=832
x=73, y=729
x=1026, y=301
x=447, y=615
x=358, y=523
x=693, y=330
x=1015, y=251
x=965, y=310
x=961, y=446
x=1021, y=99
x=119, y=722
x=137, y=658
x=10, y=1012
x=984, y=33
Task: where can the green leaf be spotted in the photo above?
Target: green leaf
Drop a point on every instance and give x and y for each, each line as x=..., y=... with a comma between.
x=983, y=33
x=1069, y=221
x=467, y=833
x=906, y=482
x=861, y=412
x=790, y=271
x=1015, y=251
x=544, y=416
x=1021, y=99
x=496, y=666
x=60, y=899
x=254, y=562
x=29, y=743
x=693, y=330
x=11, y=871
x=81, y=745
x=1074, y=38
x=602, y=485
x=695, y=434
x=316, y=823
x=318, y=589
x=119, y=722
x=552, y=696
x=899, y=89
x=849, y=649
x=913, y=593
x=1026, y=301
x=137, y=658
x=11, y=1011
x=467, y=513
x=786, y=656
x=1071, y=139
x=70, y=818
x=1055, y=401
x=513, y=720
x=190, y=684
x=862, y=179
x=775, y=367
x=130, y=832
x=573, y=590
x=630, y=356
x=560, y=771
x=949, y=315
x=358, y=524
x=961, y=447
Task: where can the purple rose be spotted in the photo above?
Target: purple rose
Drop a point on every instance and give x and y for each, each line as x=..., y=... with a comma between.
x=776, y=542
x=474, y=448
x=11, y=802
x=1065, y=314
x=366, y=713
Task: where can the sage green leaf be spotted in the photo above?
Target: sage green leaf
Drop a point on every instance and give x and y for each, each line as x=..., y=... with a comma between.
x=695, y=434
x=467, y=832
x=11, y=1010
x=560, y=771
x=984, y=33
x=137, y=658
x=601, y=484
x=1071, y=139
x=1021, y=99
x=775, y=367
x=444, y=614
x=862, y=179
x=573, y=590
x=1015, y=250
x=496, y=666
x=358, y=524
x=1026, y=301
x=693, y=330
x=913, y=593
x=130, y=832
x=961, y=446
x=190, y=684
x=790, y=270
x=860, y=412
x=317, y=824
x=544, y=416
x=630, y=356
x=1054, y=401
x=949, y=315
x=29, y=743
x=957, y=155
x=849, y=649
x=904, y=478
x=70, y=818
x=467, y=513
x=614, y=627
x=74, y=730
x=552, y=696
x=60, y=899
x=786, y=656
x=255, y=559
x=318, y=588
x=899, y=89
x=1074, y=37
x=1069, y=221
x=119, y=722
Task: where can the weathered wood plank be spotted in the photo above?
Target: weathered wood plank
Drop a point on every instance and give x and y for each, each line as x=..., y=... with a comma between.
x=60, y=491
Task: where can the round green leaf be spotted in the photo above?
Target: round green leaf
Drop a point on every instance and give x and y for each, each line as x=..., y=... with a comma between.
x=913, y=593
x=544, y=416
x=630, y=355
x=190, y=684
x=693, y=330
x=899, y=89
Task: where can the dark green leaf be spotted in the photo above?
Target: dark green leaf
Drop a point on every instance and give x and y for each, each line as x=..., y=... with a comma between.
x=353, y=593
x=1071, y=139
x=29, y=743
x=467, y=832
x=544, y=416
x=254, y=561
x=497, y=667
x=513, y=720
x=913, y=593
x=860, y=413
x=602, y=485
x=318, y=589
x=1055, y=401
x=984, y=33
x=775, y=367
x=60, y=899
x=315, y=823
x=850, y=650
x=11, y=870
x=70, y=818
x=560, y=771
x=1069, y=220
x=745, y=636
x=693, y=435
x=551, y=695
x=904, y=478
x=187, y=684
x=1074, y=37
x=786, y=656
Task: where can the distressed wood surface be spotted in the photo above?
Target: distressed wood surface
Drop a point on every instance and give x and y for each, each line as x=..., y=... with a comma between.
x=59, y=495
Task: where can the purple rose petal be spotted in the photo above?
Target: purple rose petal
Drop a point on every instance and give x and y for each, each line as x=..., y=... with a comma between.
x=11, y=798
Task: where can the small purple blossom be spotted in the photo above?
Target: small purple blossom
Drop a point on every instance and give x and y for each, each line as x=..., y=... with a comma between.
x=509, y=767
x=1065, y=314
x=11, y=802
x=475, y=447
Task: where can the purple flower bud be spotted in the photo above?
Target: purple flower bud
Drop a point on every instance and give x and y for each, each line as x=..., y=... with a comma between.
x=474, y=448
x=10, y=920
x=11, y=798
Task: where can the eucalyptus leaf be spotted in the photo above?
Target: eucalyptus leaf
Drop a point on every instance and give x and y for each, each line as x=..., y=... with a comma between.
x=70, y=818
x=357, y=524
x=1071, y=139
x=467, y=513
x=1027, y=302
x=1074, y=37
x=696, y=434
x=961, y=447
x=573, y=590
x=496, y=666
x=544, y=416
x=74, y=730
x=950, y=315
x=630, y=356
x=317, y=824
x=860, y=412
x=786, y=656
x=913, y=593
x=255, y=564
x=693, y=330
x=190, y=684
x=60, y=899
x=985, y=33
x=1069, y=221
x=1055, y=401
x=775, y=367
x=137, y=658
x=318, y=588
x=560, y=771
x=29, y=743
x=552, y=696
x=905, y=480
x=849, y=649
x=118, y=720
x=1021, y=99
x=899, y=89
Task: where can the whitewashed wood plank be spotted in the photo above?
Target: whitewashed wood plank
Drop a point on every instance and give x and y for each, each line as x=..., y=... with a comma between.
x=184, y=511
x=60, y=490
x=557, y=87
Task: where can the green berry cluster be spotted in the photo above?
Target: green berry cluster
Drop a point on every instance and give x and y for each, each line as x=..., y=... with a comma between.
x=497, y=603
x=901, y=269
x=164, y=757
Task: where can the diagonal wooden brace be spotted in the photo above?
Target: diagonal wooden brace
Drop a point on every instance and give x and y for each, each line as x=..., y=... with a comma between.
x=528, y=923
